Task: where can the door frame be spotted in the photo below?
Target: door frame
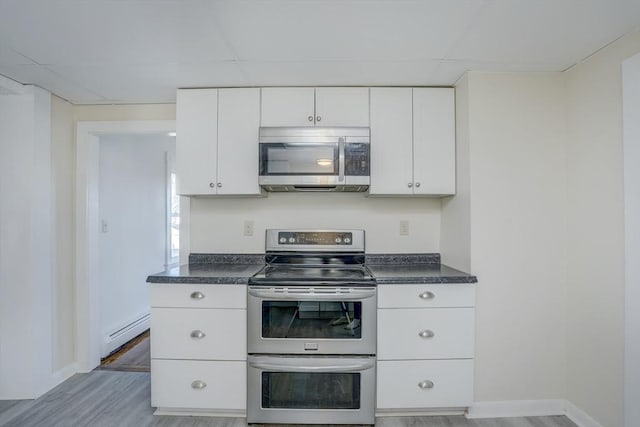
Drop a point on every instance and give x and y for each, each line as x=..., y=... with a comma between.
x=87, y=227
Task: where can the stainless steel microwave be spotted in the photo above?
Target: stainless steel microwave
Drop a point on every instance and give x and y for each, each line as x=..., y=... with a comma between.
x=314, y=159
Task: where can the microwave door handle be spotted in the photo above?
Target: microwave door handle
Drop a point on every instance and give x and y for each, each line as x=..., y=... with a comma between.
x=295, y=367
x=341, y=159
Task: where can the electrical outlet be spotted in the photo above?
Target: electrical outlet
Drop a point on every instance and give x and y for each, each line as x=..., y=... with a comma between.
x=248, y=228
x=404, y=227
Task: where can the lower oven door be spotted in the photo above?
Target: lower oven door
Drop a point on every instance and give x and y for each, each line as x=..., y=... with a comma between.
x=311, y=320
x=311, y=390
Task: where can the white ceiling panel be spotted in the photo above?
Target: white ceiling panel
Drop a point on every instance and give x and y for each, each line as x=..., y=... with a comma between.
x=327, y=73
x=10, y=57
x=294, y=30
x=560, y=32
x=40, y=76
x=150, y=83
x=112, y=32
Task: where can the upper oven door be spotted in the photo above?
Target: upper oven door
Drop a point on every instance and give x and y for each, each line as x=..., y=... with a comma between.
x=311, y=320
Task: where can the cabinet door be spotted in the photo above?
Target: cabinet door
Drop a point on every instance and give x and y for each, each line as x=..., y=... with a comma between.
x=196, y=141
x=184, y=333
x=434, y=149
x=420, y=384
x=199, y=384
x=288, y=106
x=391, y=141
x=238, y=123
x=430, y=333
x=342, y=106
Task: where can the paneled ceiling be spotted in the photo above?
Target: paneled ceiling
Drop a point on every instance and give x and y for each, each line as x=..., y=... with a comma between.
x=140, y=51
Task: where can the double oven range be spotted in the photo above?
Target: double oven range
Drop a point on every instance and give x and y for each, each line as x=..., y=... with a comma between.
x=311, y=330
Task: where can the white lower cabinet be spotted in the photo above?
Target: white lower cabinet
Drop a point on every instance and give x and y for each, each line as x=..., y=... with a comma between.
x=425, y=347
x=197, y=384
x=199, y=348
x=418, y=384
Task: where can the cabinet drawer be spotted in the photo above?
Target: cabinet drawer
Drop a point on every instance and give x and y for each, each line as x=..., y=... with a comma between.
x=432, y=333
x=198, y=296
x=425, y=296
x=179, y=333
x=425, y=384
x=199, y=384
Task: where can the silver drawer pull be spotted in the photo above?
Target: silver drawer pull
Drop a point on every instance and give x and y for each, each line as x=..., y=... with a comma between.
x=198, y=334
x=198, y=385
x=427, y=333
x=425, y=384
x=197, y=295
x=427, y=295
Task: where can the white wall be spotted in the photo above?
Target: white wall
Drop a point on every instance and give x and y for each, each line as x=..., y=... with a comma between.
x=515, y=133
x=63, y=233
x=631, y=121
x=26, y=355
x=595, y=301
x=217, y=224
x=455, y=224
x=133, y=205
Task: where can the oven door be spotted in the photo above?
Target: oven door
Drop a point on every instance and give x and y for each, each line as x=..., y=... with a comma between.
x=311, y=390
x=311, y=320
x=302, y=163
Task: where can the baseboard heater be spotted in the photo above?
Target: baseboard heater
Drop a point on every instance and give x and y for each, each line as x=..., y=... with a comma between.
x=126, y=333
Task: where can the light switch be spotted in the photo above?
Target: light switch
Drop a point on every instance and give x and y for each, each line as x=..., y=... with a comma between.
x=105, y=226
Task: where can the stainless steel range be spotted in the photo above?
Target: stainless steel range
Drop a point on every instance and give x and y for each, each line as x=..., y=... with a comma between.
x=312, y=330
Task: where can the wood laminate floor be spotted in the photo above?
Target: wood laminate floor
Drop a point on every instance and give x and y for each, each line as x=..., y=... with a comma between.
x=134, y=356
x=109, y=398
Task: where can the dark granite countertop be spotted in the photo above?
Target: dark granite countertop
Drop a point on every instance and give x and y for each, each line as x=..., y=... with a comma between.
x=238, y=268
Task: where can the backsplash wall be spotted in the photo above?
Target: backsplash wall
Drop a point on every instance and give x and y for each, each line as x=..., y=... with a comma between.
x=217, y=224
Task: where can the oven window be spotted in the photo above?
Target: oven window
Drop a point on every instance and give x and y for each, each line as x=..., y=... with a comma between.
x=312, y=319
x=301, y=390
x=298, y=159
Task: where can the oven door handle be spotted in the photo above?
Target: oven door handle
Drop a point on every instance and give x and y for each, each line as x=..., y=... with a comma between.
x=295, y=367
x=351, y=295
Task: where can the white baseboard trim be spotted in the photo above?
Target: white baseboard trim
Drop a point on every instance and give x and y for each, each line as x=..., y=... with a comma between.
x=531, y=408
x=578, y=416
x=517, y=408
x=231, y=413
x=58, y=377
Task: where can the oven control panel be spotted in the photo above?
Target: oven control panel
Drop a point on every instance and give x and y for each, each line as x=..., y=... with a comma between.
x=314, y=238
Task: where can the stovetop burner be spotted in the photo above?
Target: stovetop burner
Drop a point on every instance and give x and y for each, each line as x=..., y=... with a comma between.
x=311, y=257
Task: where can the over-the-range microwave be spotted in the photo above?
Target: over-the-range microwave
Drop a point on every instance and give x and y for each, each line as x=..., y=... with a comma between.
x=314, y=158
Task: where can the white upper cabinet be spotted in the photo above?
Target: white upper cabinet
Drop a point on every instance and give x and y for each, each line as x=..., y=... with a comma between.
x=238, y=126
x=326, y=106
x=289, y=106
x=434, y=148
x=412, y=141
x=391, y=141
x=342, y=106
x=196, y=141
x=217, y=141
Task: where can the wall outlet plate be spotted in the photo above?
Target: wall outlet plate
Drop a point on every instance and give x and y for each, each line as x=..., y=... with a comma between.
x=404, y=227
x=248, y=228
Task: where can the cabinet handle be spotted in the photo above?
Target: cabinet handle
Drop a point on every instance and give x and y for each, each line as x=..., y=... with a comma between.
x=211, y=184
x=427, y=295
x=219, y=184
x=417, y=184
x=427, y=333
x=318, y=118
x=310, y=118
x=197, y=295
x=426, y=384
x=198, y=385
x=198, y=334
x=410, y=184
